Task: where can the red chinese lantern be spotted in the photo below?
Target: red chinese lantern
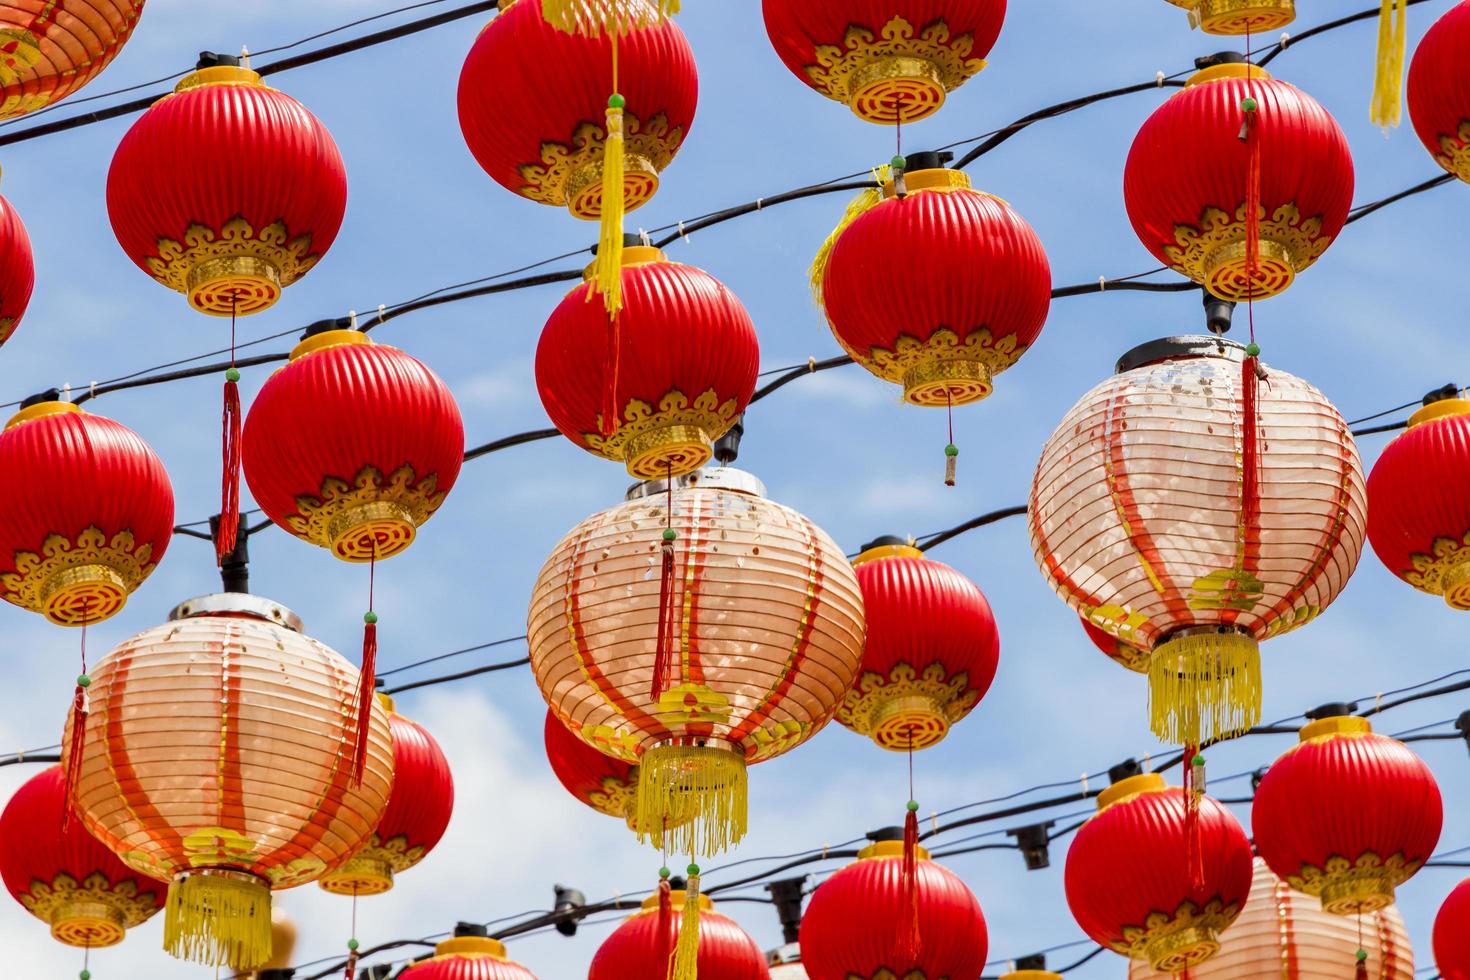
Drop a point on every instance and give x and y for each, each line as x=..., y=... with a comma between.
x=1157, y=876
x=1192, y=508
x=1417, y=522
x=63, y=875
x=1236, y=17
x=89, y=522
x=418, y=812
x=890, y=61
x=655, y=386
x=607, y=784
x=227, y=191
x=848, y=929
x=1242, y=217
x=352, y=446
x=931, y=651
x=17, y=270
x=1280, y=933
x=1439, y=92
x=1452, y=934
x=53, y=48
x=739, y=652
x=213, y=759
x=642, y=945
x=1347, y=815
x=468, y=957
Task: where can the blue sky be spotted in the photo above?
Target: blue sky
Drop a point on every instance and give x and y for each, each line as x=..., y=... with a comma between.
x=1377, y=322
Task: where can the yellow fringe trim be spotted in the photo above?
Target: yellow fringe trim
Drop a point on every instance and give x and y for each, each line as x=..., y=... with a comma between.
x=1393, y=49
x=698, y=793
x=218, y=921
x=862, y=204
x=1204, y=686
x=593, y=18
x=607, y=271
x=684, y=964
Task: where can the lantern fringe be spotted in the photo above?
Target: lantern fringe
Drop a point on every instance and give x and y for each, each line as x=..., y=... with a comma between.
x=1393, y=48
x=607, y=271
x=218, y=921
x=699, y=793
x=1204, y=686
x=860, y=205
x=910, y=943
x=366, y=694
x=593, y=18
x=685, y=965
x=229, y=508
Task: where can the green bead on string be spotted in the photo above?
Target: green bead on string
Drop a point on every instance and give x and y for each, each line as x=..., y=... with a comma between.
x=232, y=375
x=1253, y=349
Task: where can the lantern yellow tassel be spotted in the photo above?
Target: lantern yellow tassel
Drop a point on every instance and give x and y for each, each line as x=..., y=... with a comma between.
x=697, y=792
x=607, y=272
x=1393, y=48
x=1204, y=686
x=218, y=918
x=862, y=204
x=685, y=965
x=593, y=18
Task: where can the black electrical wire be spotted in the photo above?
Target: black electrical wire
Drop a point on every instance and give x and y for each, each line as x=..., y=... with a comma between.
x=462, y=675
x=452, y=653
x=1331, y=25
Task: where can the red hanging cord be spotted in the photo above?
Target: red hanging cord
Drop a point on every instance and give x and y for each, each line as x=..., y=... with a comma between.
x=229, y=509
x=951, y=451
x=1194, y=791
x=367, y=685
x=79, y=711
x=663, y=650
x=910, y=939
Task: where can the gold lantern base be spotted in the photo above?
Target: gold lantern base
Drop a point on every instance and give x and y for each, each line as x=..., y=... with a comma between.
x=88, y=924
x=1174, y=951
x=896, y=88
x=670, y=450
x=696, y=793
x=1214, y=253
x=1454, y=154
x=360, y=876
x=372, y=518
x=218, y=917
x=1354, y=887
x=1228, y=275
x=1456, y=584
x=236, y=269
x=371, y=531
x=1357, y=895
x=83, y=595
x=1235, y=17
x=584, y=185
x=79, y=582
x=942, y=382
x=238, y=285
x=672, y=438
x=909, y=723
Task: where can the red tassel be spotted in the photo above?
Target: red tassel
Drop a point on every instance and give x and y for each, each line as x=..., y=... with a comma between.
x=1362, y=971
x=665, y=925
x=229, y=507
x=610, y=413
x=663, y=655
x=910, y=942
x=74, y=753
x=366, y=691
x=1194, y=790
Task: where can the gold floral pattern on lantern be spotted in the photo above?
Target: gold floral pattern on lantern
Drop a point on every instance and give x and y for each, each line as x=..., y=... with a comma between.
x=1454, y=153
x=1214, y=254
x=1238, y=16
x=1446, y=571
x=899, y=66
x=369, y=518
x=1355, y=887
x=53, y=900
x=571, y=176
x=370, y=871
x=674, y=437
x=899, y=710
x=83, y=581
x=616, y=797
x=1174, y=943
x=943, y=370
x=233, y=268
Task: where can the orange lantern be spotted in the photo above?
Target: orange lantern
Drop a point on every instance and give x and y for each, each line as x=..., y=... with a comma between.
x=217, y=758
x=740, y=651
x=17, y=270
x=54, y=47
x=63, y=875
x=470, y=955
x=416, y=818
x=1278, y=934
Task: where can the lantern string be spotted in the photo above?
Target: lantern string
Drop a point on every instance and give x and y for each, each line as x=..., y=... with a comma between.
x=663, y=654
x=367, y=681
x=951, y=451
x=1361, y=970
x=910, y=941
x=352, y=943
x=229, y=520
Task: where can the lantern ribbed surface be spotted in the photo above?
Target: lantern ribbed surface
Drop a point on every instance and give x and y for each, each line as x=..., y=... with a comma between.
x=1191, y=213
x=89, y=522
x=1236, y=17
x=887, y=60
x=931, y=652
x=352, y=445
x=63, y=875
x=939, y=291
x=1439, y=92
x=217, y=756
x=1452, y=934
x=17, y=270
x=1284, y=934
x=54, y=47
x=658, y=386
x=1418, y=521
x=1194, y=508
x=532, y=100
x=766, y=638
x=641, y=946
x=227, y=191
x=468, y=958
x=1130, y=884
x=418, y=812
x=1347, y=815
x=850, y=929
